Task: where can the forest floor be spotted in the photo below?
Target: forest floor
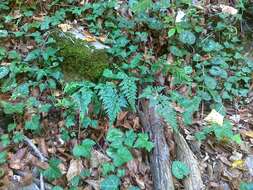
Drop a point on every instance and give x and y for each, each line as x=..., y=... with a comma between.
x=224, y=165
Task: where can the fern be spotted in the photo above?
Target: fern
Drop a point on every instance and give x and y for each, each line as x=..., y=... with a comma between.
x=162, y=104
x=129, y=90
x=167, y=112
x=110, y=99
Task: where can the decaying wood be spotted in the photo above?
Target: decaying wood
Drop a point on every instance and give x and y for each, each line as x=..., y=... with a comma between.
x=184, y=154
x=159, y=157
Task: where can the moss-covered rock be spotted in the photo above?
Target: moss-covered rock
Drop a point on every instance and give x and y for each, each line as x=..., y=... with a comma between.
x=81, y=61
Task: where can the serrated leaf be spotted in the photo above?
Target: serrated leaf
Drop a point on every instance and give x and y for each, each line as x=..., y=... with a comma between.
x=180, y=170
x=210, y=82
x=120, y=156
x=33, y=123
x=112, y=182
x=143, y=142
x=84, y=149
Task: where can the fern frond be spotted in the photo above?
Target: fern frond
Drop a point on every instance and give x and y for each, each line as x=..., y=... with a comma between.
x=110, y=99
x=167, y=112
x=129, y=90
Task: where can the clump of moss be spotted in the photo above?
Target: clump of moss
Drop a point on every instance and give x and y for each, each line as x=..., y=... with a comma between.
x=81, y=62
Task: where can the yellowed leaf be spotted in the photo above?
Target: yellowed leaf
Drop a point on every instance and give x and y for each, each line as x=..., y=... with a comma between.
x=248, y=134
x=214, y=117
x=64, y=27
x=238, y=164
x=89, y=37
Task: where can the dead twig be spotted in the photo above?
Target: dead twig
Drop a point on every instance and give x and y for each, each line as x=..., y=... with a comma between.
x=38, y=154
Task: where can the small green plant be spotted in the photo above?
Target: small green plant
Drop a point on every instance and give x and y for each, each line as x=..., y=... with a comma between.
x=179, y=169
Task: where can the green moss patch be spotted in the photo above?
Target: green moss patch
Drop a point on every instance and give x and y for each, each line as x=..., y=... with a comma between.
x=81, y=62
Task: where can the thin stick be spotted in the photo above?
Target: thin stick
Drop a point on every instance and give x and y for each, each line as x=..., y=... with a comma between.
x=35, y=149
x=41, y=157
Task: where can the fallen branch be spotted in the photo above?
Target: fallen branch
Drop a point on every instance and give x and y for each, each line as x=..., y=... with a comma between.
x=184, y=154
x=159, y=157
x=41, y=157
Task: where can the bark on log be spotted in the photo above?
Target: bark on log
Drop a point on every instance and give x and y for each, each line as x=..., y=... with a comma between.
x=184, y=154
x=159, y=157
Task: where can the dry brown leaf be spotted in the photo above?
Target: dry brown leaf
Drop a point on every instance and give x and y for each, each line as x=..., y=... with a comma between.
x=98, y=158
x=248, y=133
x=94, y=183
x=75, y=168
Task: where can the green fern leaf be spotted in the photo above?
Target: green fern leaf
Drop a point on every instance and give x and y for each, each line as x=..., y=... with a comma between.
x=167, y=112
x=110, y=99
x=129, y=90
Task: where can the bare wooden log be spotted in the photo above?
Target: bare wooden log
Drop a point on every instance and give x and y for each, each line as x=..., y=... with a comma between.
x=184, y=154
x=159, y=157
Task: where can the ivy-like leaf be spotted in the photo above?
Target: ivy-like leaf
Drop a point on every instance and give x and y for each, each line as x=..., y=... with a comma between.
x=143, y=142
x=84, y=149
x=187, y=37
x=112, y=182
x=180, y=170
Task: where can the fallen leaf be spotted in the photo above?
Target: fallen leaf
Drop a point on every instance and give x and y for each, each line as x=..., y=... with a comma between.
x=180, y=16
x=88, y=37
x=249, y=164
x=98, y=158
x=214, y=117
x=228, y=9
x=65, y=27
x=94, y=183
x=75, y=168
x=248, y=134
x=238, y=164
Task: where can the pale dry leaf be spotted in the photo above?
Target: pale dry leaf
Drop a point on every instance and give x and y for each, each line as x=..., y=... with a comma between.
x=65, y=27
x=89, y=37
x=214, y=117
x=180, y=16
x=94, y=183
x=228, y=9
x=249, y=164
x=98, y=158
x=75, y=168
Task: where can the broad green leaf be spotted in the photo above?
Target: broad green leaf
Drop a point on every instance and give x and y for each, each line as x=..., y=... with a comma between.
x=171, y=32
x=33, y=123
x=107, y=168
x=210, y=82
x=3, y=33
x=180, y=169
x=120, y=156
x=52, y=172
x=143, y=142
x=176, y=51
x=142, y=5
x=3, y=156
x=11, y=108
x=114, y=134
x=187, y=37
x=84, y=149
x=4, y=71
x=130, y=137
x=112, y=182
